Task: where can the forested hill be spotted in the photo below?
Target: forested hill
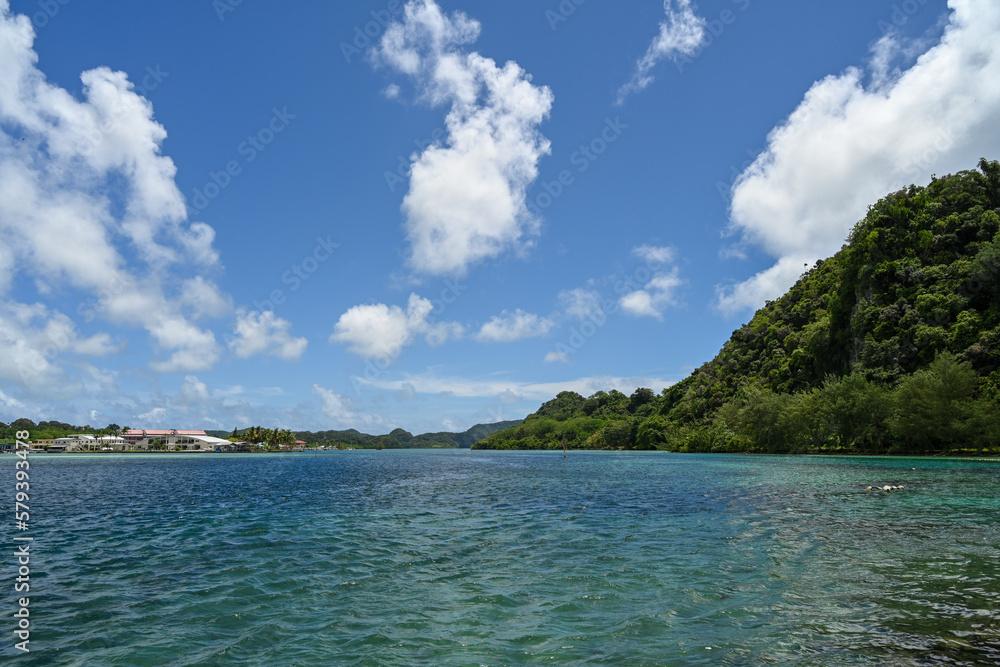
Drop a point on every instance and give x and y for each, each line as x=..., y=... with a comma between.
x=400, y=439
x=892, y=344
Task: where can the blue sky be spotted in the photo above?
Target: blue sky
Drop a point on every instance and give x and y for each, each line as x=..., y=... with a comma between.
x=434, y=214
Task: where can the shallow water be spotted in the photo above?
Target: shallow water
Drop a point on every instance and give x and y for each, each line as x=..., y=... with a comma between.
x=503, y=558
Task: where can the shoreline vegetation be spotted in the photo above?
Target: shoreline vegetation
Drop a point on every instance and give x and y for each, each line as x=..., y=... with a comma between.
x=257, y=439
x=890, y=347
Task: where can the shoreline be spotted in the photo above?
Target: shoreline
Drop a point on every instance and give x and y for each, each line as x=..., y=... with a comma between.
x=985, y=458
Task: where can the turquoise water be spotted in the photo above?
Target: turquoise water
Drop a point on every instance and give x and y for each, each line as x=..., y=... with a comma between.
x=508, y=558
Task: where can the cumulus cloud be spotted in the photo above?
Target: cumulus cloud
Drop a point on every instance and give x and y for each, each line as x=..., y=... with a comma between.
x=681, y=33
x=509, y=327
x=407, y=392
x=193, y=391
x=380, y=331
x=659, y=292
x=656, y=254
x=466, y=201
x=33, y=338
x=557, y=357
x=202, y=298
x=89, y=203
x=265, y=334
x=341, y=409
x=189, y=347
x=8, y=402
x=502, y=389
x=580, y=303
x=848, y=144
x=154, y=417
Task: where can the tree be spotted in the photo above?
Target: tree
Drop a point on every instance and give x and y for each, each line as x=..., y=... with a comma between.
x=639, y=398
x=615, y=435
x=22, y=425
x=756, y=414
x=855, y=412
x=654, y=433
x=798, y=428
x=936, y=408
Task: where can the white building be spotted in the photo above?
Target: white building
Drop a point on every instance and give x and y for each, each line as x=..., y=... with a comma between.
x=80, y=442
x=173, y=440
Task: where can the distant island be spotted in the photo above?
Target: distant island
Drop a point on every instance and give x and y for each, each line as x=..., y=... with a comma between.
x=53, y=436
x=891, y=346
x=399, y=439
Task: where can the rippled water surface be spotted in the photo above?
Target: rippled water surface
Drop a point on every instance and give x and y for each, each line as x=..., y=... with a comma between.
x=468, y=558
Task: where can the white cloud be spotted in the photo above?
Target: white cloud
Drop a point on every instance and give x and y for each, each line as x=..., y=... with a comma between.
x=498, y=388
x=33, y=339
x=193, y=391
x=656, y=254
x=378, y=330
x=340, y=409
x=10, y=403
x=229, y=392
x=580, y=303
x=154, y=417
x=407, y=392
x=681, y=33
x=203, y=298
x=765, y=285
x=189, y=347
x=659, y=292
x=557, y=357
x=466, y=201
x=89, y=173
x=639, y=303
x=267, y=334
x=510, y=327
x=846, y=145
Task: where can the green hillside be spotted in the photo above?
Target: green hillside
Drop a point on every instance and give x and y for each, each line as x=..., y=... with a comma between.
x=891, y=345
x=400, y=439
x=45, y=430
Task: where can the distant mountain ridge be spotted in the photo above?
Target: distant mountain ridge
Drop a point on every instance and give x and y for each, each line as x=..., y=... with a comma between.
x=399, y=438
